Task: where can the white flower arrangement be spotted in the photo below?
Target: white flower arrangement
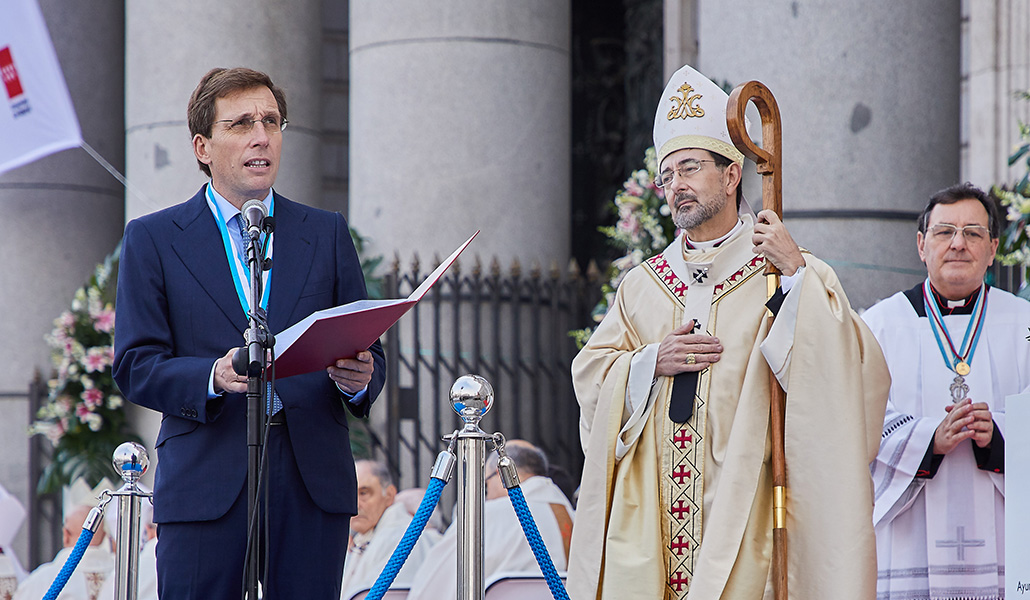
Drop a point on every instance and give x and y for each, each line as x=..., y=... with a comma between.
x=643, y=229
x=83, y=417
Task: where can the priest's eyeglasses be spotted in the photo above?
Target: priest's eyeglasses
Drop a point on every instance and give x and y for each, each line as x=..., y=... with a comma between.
x=271, y=123
x=973, y=234
x=685, y=168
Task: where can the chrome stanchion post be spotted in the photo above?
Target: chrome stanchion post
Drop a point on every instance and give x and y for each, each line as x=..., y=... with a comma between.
x=130, y=462
x=471, y=397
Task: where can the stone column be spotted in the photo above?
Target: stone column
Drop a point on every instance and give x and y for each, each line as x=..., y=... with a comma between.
x=459, y=121
x=62, y=214
x=869, y=98
x=679, y=35
x=169, y=47
x=995, y=66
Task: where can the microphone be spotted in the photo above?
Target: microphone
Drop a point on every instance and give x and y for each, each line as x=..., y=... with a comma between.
x=254, y=213
x=240, y=361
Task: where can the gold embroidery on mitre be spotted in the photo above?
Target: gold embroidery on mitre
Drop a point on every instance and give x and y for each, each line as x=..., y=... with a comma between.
x=684, y=107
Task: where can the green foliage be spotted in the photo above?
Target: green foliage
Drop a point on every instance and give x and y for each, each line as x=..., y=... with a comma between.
x=643, y=229
x=373, y=283
x=1014, y=243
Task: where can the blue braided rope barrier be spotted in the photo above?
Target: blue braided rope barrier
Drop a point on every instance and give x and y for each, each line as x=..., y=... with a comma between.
x=69, y=565
x=411, y=535
x=536, y=543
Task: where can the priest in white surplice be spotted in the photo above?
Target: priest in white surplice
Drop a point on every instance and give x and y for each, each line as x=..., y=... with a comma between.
x=506, y=549
x=956, y=347
x=96, y=565
x=377, y=530
x=673, y=386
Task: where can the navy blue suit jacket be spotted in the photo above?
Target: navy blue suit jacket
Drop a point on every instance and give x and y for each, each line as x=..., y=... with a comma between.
x=178, y=312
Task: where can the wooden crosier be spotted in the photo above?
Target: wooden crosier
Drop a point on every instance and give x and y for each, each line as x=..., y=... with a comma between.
x=769, y=163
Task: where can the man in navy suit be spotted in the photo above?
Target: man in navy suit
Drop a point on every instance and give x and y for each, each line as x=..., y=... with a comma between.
x=183, y=300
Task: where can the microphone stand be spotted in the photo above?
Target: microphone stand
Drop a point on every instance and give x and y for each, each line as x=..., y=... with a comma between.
x=258, y=340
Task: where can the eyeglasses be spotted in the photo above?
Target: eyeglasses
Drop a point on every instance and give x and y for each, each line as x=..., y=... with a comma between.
x=684, y=169
x=945, y=232
x=272, y=124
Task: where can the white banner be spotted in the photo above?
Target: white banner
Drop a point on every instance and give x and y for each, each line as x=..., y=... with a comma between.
x=1017, y=497
x=36, y=113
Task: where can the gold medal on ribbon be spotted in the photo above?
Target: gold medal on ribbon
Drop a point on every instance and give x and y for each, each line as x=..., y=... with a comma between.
x=962, y=368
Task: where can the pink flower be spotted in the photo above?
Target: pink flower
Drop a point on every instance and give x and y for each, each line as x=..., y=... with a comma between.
x=92, y=398
x=633, y=188
x=629, y=224
x=67, y=320
x=96, y=359
x=81, y=410
x=104, y=320
x=55, y=431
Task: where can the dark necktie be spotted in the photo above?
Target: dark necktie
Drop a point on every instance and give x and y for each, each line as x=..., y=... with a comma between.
x=276, y=404
x=684, y=390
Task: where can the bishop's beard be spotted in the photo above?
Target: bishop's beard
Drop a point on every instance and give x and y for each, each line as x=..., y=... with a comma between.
x=689, y=216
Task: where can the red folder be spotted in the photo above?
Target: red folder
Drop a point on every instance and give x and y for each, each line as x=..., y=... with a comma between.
x=324, y=336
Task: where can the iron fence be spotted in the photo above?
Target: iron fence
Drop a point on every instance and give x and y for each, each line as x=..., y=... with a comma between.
x=511, y=327
x=45, y=518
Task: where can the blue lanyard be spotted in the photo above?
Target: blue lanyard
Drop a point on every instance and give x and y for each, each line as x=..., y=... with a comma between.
x=964, y=353
x=238, y=264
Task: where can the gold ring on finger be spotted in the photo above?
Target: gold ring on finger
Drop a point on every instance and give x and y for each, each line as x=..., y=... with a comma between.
x=691, y=358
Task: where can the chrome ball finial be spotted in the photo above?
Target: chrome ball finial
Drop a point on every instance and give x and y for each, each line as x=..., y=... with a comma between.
x=472, y=397
x=130, y=461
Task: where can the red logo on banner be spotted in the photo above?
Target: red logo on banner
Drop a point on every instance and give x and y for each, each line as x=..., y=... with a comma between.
x=10, y=74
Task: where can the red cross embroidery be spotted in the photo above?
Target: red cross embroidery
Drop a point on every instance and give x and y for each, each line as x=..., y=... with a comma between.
x=669, y=278
x=682, y=439
x=680, y=289
x=660, y=266
x=680, y=474
x=679, y=545
x=678, y=510
x=678, y=580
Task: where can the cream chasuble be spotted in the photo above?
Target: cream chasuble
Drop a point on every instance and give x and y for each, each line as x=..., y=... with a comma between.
x=685, y=510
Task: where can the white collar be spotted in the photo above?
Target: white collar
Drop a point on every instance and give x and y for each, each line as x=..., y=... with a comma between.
x=713, y=243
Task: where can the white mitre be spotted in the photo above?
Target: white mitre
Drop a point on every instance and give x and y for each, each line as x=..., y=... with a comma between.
x=692, y=114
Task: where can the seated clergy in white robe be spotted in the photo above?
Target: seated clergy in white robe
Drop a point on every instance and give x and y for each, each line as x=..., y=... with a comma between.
x=96, y=565
x=377, y=530
x=956, y=348
x=505, y=548
x=9, y=574
x=411, y=498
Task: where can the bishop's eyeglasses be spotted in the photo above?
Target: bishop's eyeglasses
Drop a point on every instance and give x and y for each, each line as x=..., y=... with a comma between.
x=271, y=123
x=685, y=168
